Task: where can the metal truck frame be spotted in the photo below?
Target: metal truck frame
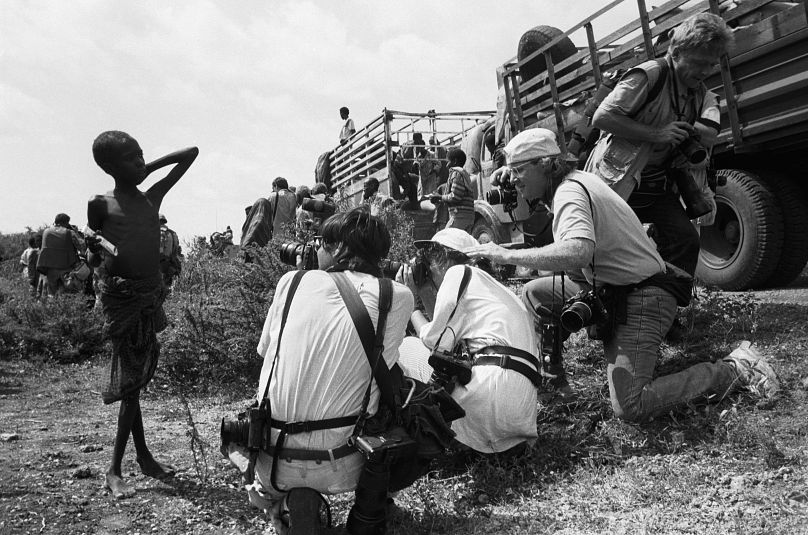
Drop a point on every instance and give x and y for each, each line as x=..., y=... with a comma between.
x=760, y=234
x=372, y=151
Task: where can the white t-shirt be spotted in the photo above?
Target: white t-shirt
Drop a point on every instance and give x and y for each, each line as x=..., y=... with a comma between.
x=624, y=254
x=322, y=371
x=500, y=404
x=347, y=129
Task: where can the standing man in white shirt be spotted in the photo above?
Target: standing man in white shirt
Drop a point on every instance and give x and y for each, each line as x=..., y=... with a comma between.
x=348, y=128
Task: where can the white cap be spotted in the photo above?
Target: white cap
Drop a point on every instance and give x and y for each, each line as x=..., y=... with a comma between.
x=531, y=145
x=453, y=238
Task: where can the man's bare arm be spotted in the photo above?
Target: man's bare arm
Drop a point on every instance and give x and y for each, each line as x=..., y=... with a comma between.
x=183, y=160
x=574, y=253
x=626, y=127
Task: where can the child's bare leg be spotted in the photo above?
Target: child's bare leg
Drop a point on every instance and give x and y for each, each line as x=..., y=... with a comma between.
x=130, y=407
x=148, y=465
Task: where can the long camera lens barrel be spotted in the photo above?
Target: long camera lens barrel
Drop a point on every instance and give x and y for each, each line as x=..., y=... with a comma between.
x=696, y=204
x=324, y=208
x=575, y=316
x=693, y=151
x=368, y=514
x=289, y=251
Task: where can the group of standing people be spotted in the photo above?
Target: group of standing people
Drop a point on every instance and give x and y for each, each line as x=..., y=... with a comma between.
x=56, y=260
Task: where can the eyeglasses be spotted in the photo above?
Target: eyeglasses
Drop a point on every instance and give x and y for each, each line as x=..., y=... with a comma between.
x=517, y=171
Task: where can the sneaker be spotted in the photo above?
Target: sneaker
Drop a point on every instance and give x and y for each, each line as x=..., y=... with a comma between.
x=753, y=371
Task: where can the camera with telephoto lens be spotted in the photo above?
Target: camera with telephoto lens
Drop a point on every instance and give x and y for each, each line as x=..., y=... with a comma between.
x=505, y=195
x=693, y=150
x=322, y=208
x=289, y=251
x=420, y=269
x=582, y=310
x=249, y=430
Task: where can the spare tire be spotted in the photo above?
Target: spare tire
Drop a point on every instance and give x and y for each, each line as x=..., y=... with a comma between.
x=742, y=248
x=535, y=39
x=794, y=208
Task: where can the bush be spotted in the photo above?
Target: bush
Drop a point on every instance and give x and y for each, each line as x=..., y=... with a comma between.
x=216, y=312
x=59, y=328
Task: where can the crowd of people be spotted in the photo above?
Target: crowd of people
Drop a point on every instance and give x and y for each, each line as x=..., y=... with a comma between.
x=349, y=353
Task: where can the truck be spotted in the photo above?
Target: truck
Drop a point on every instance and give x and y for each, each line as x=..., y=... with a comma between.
x=760, y=235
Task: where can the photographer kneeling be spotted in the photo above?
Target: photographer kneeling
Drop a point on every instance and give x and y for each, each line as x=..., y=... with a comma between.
x=482, y=336
x=597, y=232
x=316, y=379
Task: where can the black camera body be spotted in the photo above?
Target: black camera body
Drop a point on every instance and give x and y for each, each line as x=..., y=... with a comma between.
x=505, y=195
x=448, y=369
x=289, y=251
x=249, y=430
x=582, y=310
x=385, y=449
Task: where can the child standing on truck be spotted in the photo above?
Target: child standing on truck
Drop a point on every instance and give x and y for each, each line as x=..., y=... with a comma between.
x=131, y=286
x=460, y=196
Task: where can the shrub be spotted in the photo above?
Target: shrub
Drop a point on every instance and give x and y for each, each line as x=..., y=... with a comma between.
x=59, y=328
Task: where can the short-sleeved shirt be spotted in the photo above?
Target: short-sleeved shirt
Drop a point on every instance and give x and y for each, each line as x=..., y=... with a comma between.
x=347, y=129
x=322, y=370
x=500, y=404
x=624, y=254
x=284, y=211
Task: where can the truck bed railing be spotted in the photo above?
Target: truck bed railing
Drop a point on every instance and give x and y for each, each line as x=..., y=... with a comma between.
x=372, y=148
x=528, y=101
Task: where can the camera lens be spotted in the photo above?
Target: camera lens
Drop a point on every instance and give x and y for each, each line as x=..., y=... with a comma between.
x=389, y=268
x=494, y=196
x=236, y=432
x=289, y=251
x=576, y=316
x=693, y=151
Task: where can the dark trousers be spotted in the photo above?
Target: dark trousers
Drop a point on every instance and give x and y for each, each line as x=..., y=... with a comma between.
x=676, y=237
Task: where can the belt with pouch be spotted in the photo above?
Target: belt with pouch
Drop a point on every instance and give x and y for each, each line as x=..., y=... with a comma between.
x=293, y=428
x=502, y=356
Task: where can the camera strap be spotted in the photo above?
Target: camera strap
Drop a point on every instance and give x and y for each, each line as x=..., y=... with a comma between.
x=464, y=283
x=373, y=343
x=291, y=428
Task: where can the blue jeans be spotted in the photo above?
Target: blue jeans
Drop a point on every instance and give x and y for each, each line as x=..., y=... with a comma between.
x=631, y=354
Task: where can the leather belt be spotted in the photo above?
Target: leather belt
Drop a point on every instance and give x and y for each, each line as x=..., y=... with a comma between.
x=312, y=455
x=502, y=356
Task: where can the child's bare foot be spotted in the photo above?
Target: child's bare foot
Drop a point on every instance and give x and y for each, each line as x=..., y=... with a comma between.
x=118, y=487
x=150, y=467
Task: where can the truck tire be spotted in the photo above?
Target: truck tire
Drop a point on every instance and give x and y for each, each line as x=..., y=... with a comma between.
x=742, y=248
x=483, y=232
x=536, y=38
x=794, y=209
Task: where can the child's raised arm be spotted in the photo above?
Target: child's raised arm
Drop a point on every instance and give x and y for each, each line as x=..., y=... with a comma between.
x=183, y=160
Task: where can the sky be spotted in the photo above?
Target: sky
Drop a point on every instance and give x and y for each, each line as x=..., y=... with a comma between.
x=256, y=85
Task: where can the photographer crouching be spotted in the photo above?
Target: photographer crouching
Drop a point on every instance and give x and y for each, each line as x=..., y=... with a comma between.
x=316, y=389
x=480, y=344
x=631, y=294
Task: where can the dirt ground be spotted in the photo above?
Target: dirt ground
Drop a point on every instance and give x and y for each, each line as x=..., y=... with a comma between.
x=735, y=468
